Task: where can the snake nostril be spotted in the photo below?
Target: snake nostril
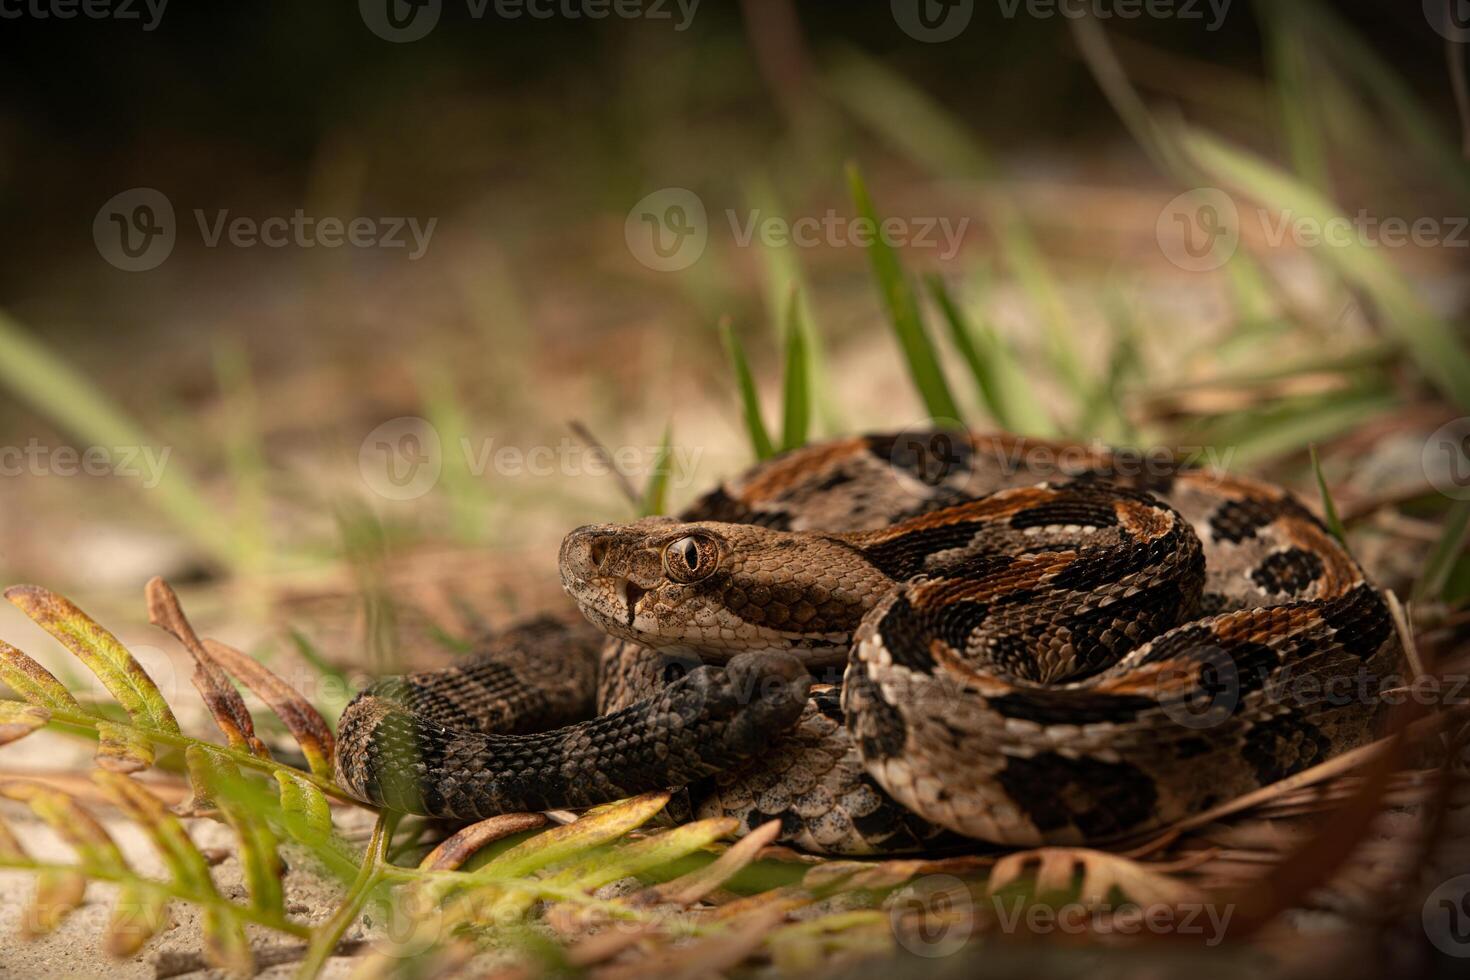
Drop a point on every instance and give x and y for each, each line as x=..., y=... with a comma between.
x=597, y=551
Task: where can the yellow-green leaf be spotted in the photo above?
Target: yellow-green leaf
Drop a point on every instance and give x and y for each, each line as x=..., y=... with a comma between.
x=17, y=720
x=643, y=855
x=62, y=813
x=564, y=842
x=690, y=888
x=225, y=945
x=57, y=894
x=122, y=749
x=304, y=804
x=138, y=915
x=34, y=683
x=184, y=860
x=103, y=654
x=10, y=849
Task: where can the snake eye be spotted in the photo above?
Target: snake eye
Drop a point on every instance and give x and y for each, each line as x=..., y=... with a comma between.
x=691, y=558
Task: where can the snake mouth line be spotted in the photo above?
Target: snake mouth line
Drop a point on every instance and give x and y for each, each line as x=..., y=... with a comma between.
x=629, y=592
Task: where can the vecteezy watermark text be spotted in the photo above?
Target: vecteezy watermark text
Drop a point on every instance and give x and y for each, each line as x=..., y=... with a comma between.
x=401, y=21
x=840, y=231
x=403, y=458
x=305, y=231
x=1213, y=12
x=148, y=12
x=136, y=230
x=936, y=915
x=935, y=21
x=669, y=229
x=35, y=458
x=1200, y=229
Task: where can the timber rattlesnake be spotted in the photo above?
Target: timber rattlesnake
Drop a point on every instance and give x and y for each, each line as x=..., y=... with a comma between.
x=1015, y=641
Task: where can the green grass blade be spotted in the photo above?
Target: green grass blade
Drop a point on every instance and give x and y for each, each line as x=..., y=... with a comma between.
x=1447, y=553
x=943, y=144
x=1102, y=412
x=1379, y=81
x=906, y=116
x=1431, y=341
x=1003, y=389
x=781, y=275
x=244, y=454
x=656, y=492
x=1329, y=509
x=797, y=392
x=1251, y=437
x=1025, y=259
x=316, y=659
x=51, y=387
x=1092, y=43
x=1296, y=93
x=445, y=413
x=755, y=428
x=904, y=314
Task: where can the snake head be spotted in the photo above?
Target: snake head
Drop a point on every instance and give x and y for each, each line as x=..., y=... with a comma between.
x=719, y=589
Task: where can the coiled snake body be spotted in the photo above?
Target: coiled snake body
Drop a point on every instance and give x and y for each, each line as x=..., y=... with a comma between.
x=1014, y=641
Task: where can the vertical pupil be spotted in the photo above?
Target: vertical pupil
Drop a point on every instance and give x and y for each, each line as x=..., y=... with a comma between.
x=689, y=553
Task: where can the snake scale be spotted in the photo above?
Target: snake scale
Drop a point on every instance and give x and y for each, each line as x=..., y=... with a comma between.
x=892, y=642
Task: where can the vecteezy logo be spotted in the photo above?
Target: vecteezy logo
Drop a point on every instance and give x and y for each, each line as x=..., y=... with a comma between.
x=667, y=230
x=401, y=459
x=1446, y=917
x=933, y=917
x=400, y=21
x=1450, y=18
x=135, y=230
x=1199, y=230
x=1446, y=459
x=1201, y=692
x=927, y=454
x=932, y=21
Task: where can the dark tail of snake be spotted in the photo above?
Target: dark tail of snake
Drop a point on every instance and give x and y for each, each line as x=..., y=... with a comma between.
x=709, y=721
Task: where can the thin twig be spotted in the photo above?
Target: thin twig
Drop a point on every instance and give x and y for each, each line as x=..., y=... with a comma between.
x=1454, y=53
x=325, y=939
x=606, y=458
x=776, y=41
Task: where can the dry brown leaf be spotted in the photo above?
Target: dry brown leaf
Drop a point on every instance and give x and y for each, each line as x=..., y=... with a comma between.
x=1056, y=868
x=464, y=844
x=304, y=722
x=210, y=679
